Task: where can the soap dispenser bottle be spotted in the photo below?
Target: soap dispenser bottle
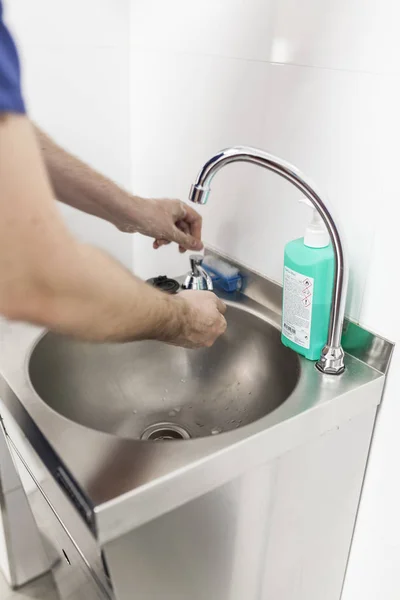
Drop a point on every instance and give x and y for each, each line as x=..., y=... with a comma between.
x=307, y=289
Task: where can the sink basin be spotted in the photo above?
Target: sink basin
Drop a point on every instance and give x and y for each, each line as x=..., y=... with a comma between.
x=152, y=391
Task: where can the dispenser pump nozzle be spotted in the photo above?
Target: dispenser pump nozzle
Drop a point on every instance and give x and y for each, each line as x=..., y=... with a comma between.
x=316, y=235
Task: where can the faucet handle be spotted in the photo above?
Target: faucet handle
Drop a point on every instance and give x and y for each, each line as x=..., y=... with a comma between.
x=196, y=260
x=198, y=278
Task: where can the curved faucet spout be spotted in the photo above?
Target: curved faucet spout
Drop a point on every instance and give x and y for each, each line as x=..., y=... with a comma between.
x=332, y=357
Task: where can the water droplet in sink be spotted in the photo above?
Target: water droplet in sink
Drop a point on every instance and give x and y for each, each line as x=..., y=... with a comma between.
x=135, y=412
x=227, y=407
x=178, y=409
x=233, y=421
x=216, y=430
x=183, y=380
x=172, y=413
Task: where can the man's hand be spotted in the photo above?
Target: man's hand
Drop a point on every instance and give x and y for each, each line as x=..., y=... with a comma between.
x=166, y=221
x=203, y=321
x=80, y=186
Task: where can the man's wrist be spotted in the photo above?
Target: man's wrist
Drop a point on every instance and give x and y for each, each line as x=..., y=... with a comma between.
x=173, y=318
x=126, y=212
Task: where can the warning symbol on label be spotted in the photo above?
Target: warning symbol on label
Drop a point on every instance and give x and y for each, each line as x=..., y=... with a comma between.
x=306, y=292
x=307, y=301
x=307, y=283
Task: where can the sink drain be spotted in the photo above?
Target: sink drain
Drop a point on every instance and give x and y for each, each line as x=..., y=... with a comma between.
x=163, y=432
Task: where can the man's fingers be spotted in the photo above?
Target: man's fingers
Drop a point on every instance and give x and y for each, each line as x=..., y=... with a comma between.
x=221, y=306
x=183, y=226
x=182, y=210
x=224, y=324
x=195, y=222
x=186, y=241
x=158, y=243
x=186, y=227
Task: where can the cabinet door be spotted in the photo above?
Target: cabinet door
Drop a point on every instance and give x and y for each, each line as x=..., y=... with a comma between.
x=79, y=572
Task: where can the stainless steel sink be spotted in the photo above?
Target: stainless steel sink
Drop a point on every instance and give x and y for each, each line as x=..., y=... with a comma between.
x=151, y=391
x=218, y=517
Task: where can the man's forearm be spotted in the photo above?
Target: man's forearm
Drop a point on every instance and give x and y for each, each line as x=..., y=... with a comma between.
x=48, y=278
x=81, y=291
x=80, y=186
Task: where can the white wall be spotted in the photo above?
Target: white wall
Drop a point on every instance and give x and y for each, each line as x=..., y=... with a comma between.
x=318, y=83
x=76, y=73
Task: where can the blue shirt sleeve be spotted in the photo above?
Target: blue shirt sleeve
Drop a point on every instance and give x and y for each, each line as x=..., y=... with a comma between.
x=10, y=76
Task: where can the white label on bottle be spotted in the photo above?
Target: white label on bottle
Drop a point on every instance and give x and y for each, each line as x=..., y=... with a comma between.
x=297, y=307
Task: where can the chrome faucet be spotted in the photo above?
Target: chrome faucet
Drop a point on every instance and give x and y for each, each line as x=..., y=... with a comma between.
x=198, y=278
x=332, y=356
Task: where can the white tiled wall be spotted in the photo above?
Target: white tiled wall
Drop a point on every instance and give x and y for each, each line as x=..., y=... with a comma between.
x=358, y=35
x=75, y=69
x=318, y=83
